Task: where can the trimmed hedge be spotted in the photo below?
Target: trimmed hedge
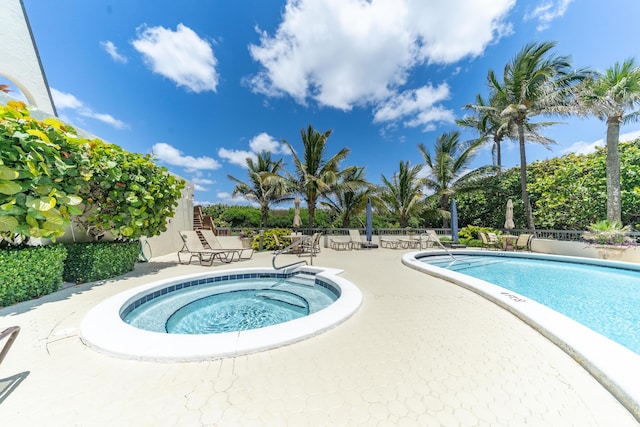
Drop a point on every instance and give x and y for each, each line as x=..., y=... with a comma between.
x=30, y=272
x=88, y=262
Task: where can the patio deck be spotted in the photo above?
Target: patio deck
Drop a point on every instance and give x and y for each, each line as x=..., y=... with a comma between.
x=420, y=351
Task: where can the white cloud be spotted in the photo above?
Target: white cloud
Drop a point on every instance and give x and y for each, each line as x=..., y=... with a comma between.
x=112, y=50
x=202, y=181
x=181, y=56
x=224, y=197
x=345, y=53
x=584, y=147
x=237, y=157
x=265, y=142
x=175, y=157
x=66, y=101
x=416, y=107
x=547, y=12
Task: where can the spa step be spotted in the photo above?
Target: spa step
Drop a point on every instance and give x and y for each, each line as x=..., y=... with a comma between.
x=303, y=279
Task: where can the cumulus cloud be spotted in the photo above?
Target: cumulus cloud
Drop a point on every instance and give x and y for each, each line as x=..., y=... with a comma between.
x=180, y=55
x=258, y=144
x=547, y=12
x=586, y=147
x=346, y=53
x=416, y=107
x=112, y=50
x=237, y=157
x=175, y=157
x=67, y=101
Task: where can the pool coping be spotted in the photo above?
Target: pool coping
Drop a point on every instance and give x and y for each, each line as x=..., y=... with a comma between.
x=611, y=364
x=103, y=330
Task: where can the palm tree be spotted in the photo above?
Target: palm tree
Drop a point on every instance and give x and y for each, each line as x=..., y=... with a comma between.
x=402, y=193
x=315, y=176
x=489, y=124
x=613, y=97
x=265, y=185
x=535, y=83
x=448, y=168
x=349, y=197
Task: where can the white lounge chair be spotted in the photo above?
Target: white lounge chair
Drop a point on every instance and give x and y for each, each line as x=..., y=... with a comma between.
x=214, y=243
x=192, y=246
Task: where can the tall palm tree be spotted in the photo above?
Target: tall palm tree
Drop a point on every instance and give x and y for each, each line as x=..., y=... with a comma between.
x=315, y=176
x=265, y=185
x=613, y=97
x=349, y=197
x=448, y=168
x=402, y=193
x=535, y=82
x=489, y=124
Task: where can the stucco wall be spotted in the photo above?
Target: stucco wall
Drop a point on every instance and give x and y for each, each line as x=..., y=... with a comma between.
x=19, y=59
x=582, y=249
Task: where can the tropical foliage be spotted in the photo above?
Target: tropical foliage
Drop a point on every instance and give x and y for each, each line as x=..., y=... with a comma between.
x=535, y=82
x=265, y=185
x=402, y=193
x=613, y=97
x=315, y=176
x=49, y=176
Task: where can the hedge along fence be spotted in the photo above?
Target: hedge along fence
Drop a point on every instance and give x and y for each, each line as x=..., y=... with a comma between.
x=31, y=272
x=88, y=262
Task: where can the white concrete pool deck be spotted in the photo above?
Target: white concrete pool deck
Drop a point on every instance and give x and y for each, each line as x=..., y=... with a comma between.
x=419, y=352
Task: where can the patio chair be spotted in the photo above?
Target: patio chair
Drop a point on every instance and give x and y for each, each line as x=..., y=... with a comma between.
x=192, y=246
x=523, y=242
x=486, y=242
x=214, y=243
x=428, y=239
x=310, y=246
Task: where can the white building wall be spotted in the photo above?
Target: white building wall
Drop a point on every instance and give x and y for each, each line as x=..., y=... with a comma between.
x=19, y=59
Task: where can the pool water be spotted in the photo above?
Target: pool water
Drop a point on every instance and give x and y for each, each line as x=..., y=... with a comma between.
x=605, y=299
x=233, y=305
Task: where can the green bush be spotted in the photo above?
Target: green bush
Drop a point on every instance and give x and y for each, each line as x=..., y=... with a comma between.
x=88, y=262
x=269, y=243
x=30, y=272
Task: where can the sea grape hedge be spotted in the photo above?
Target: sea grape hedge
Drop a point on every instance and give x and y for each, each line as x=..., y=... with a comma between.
x=49, y=176
x=31, y=272
x=88, y=262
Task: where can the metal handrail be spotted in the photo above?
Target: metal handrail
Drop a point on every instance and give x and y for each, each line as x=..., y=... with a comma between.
x=291, y=246
x=12, y=333
x=431, y=239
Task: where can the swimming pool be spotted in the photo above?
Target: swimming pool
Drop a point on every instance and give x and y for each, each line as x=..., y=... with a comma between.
x=105, y=330
x=603, y=298
x=612, y=364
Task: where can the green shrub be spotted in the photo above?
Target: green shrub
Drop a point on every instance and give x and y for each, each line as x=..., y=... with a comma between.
x=30, y=272
x=88, y=262
x=269, y=243
x=471, y=232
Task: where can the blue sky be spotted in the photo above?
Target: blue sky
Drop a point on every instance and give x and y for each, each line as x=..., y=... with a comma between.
x=204, y=84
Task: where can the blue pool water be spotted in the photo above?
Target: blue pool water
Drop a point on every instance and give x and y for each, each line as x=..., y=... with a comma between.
x=231, y=305
x=604, y=299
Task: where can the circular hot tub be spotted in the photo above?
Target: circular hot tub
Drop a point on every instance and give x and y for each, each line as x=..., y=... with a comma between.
x=219, y=314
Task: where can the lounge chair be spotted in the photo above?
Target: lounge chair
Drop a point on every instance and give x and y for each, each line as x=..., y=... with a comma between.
x=389, y=242
x=214, y=243
x=524, y=242
x=355, y=239
x=486, y=242
x=192, y=246
x=428, y=239
x=339, y=244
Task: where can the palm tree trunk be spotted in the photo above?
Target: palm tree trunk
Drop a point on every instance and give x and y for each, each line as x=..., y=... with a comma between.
x=312, y=211
x=614, y=203
x=528, y=213
x=498, y=156
x=265, y=215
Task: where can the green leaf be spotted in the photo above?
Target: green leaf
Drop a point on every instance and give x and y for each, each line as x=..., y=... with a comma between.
x=8, y=174
x=9, y=188
x=42, y=204
x=8, y=223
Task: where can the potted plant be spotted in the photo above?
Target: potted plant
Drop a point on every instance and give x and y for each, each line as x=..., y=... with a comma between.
x=609, y=237
x=246, y=237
